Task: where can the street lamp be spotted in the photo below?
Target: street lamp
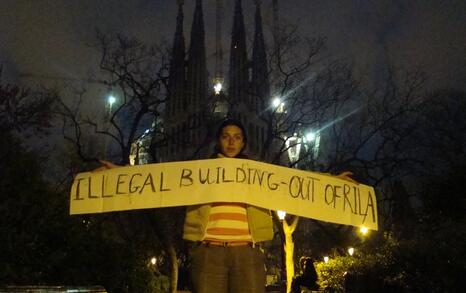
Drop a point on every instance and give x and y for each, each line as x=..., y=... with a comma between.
x=111, y=100
x=218, y=88
x=278, y=105
x=293, y=146
x=351, y=251
x=153, y=261
x=363, y=230
x=309, y=141
x=312, y=143
x=310, y=136
x=326, y=258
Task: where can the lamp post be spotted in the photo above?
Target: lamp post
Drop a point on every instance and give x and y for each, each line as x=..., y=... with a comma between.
x=278, y=105
x=293, y=145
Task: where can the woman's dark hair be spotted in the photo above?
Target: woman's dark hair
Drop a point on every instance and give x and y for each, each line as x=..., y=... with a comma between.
x=234, y=122
x=225, y=123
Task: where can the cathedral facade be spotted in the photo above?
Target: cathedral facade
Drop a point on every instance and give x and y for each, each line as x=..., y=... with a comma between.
x=198, y=103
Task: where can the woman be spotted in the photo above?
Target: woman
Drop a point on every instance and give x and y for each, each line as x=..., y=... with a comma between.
x=308, y=277
x=226, y=237
x=226, y=254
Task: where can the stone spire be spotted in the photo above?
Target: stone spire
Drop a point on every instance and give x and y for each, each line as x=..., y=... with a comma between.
x=276, y=45
x=218, y=42
x=177, y=81
x=238, y=71
x=260, y=79
x=197, y=71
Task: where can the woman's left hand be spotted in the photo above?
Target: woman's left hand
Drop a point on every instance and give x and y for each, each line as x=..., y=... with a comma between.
x=346, y=175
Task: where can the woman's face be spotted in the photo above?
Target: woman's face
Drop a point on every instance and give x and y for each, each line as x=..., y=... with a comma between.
x=231, y=141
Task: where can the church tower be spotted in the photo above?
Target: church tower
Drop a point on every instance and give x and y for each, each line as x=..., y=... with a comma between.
x=260, y=77
x=187, y=86
x=177, y=81
x=197, y=70
x=194, y=109
x=238, y=72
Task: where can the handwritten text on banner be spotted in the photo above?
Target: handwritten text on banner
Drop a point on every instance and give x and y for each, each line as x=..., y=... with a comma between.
x=308, y=194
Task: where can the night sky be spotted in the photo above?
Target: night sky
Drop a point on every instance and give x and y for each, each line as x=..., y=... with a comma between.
x=52, y=37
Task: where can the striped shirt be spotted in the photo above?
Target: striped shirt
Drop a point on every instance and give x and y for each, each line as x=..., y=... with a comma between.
x=228, y=222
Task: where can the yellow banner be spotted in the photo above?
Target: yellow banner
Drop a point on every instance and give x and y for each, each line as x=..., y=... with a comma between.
x=307, y=194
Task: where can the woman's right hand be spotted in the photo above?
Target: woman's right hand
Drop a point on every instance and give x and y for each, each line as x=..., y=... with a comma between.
x=105, y=166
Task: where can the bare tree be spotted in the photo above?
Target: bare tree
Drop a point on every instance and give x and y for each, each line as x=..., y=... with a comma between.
x=22, y=108
x=137, y=75
x=367, y=131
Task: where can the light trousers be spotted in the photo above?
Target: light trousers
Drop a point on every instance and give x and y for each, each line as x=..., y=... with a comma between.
x=217, y=269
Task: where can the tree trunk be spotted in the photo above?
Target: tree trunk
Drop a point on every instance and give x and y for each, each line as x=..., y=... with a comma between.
x=173, y=268
x=288, y=229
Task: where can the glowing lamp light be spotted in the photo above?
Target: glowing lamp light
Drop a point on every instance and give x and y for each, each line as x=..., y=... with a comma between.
x=351, y=251
x=278, y=105
x=281, y=215
x=218, y=88
x=326, y=259
x=311, y=136
x=153, y=261
x=111, y=100
x=364, y=230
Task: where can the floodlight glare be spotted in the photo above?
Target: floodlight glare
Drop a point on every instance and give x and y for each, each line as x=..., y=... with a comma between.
x=111, y=100
x=311, y=136
x=218, y=88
